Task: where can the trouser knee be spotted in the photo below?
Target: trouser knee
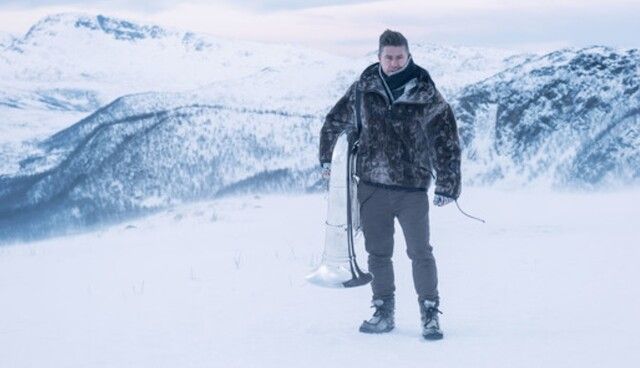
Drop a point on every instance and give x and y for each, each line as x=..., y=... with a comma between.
x=420, y=253
x=379, y=260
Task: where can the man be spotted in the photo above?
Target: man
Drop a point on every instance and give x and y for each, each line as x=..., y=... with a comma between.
x=406, y=131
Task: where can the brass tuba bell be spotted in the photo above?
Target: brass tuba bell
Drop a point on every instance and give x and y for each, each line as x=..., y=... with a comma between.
x=338, y=268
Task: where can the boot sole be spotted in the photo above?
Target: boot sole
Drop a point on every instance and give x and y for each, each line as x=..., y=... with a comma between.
x=373, y=332
x=433, y=337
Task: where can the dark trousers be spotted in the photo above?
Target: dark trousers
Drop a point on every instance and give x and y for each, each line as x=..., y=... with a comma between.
x=378, y=209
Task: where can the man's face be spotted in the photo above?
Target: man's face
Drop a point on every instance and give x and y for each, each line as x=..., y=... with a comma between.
x=393, y=58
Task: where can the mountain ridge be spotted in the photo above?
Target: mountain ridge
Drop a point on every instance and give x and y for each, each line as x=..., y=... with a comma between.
x=565, y=119
x=542, y=112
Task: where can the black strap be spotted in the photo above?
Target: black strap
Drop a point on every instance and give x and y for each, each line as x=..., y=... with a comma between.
x=469, y=216
x=358, y=117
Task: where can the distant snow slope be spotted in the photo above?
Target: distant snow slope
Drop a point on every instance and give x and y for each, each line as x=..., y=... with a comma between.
x=80, y=61
x=78, y=48
x=544, y=283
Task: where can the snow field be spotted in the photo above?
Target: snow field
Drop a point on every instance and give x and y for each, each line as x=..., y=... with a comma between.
x=550, y=280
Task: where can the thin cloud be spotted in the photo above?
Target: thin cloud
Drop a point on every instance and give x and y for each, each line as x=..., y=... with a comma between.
x=15, y=5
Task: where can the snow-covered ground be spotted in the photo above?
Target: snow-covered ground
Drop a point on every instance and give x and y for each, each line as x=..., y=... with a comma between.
x=549, y=281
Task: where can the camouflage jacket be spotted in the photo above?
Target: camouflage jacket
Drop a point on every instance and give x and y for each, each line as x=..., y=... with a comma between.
x=402, y=143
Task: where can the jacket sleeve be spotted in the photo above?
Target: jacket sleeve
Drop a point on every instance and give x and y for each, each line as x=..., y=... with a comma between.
x=340, y=118
x=444, y=151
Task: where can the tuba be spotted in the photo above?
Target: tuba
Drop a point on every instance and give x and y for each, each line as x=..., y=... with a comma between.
x=338, y=268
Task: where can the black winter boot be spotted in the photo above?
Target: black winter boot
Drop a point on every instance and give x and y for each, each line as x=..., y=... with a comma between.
x=383, y=318
x=430, y=321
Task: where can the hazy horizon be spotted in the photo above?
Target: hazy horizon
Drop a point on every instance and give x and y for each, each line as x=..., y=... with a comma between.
x=351, y=28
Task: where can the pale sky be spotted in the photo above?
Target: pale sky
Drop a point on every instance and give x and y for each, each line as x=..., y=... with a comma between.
x=352, y=27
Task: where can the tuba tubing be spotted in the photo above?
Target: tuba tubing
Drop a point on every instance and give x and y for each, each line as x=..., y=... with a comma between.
x=338, y=268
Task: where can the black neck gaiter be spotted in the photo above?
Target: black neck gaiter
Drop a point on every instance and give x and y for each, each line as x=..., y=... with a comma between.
x=397, y=81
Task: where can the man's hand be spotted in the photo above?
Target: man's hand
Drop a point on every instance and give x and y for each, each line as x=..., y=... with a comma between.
x=440, y=200
x=326, y=171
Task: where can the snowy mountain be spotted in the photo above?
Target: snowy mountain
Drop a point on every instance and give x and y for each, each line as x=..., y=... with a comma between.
x=69, y=47
x=146, y=152
x=68, y=65
x=569, y=118
x=455, y=67
x=78, y=62
x=67, y=57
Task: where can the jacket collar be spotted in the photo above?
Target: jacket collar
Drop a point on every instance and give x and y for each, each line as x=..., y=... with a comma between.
x=420, y=90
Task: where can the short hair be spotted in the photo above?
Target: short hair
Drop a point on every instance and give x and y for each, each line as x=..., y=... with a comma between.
x=392, y=38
